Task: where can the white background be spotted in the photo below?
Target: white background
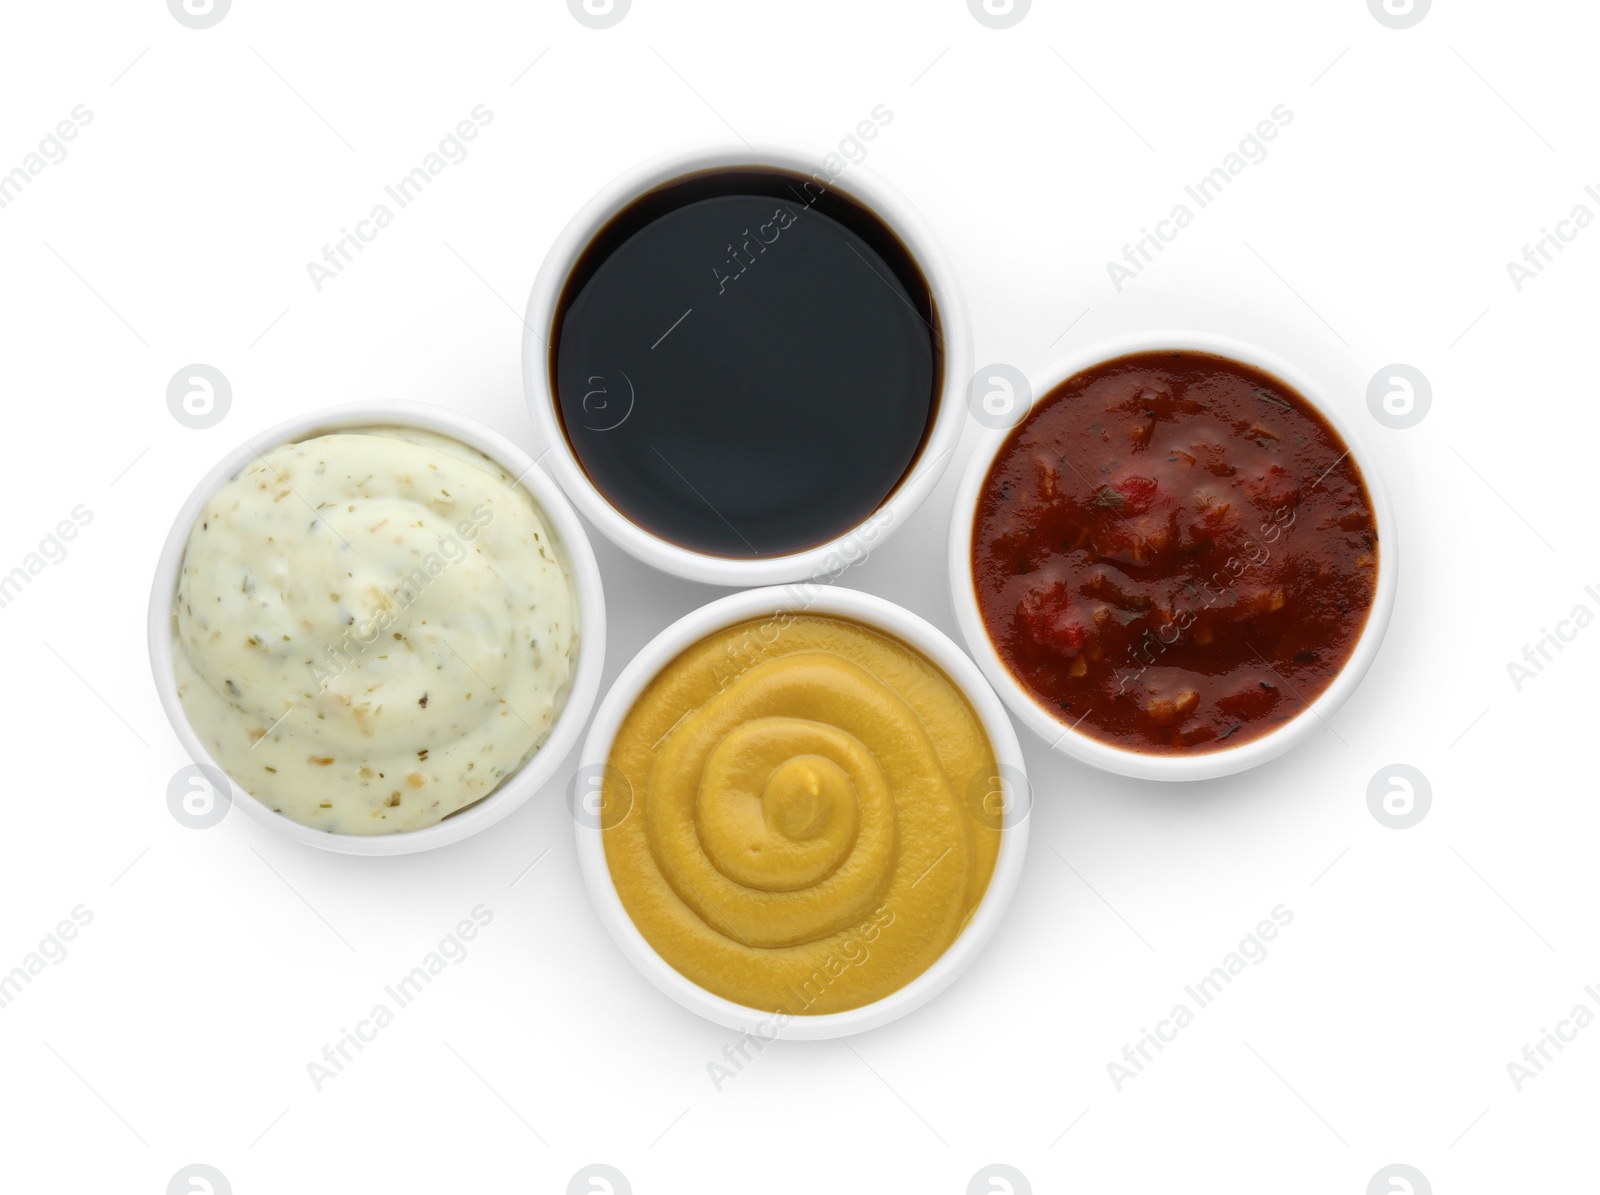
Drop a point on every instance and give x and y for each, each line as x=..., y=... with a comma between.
x=219, y=962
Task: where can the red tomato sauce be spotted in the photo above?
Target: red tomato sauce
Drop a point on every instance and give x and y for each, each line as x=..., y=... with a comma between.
x=1174, y=552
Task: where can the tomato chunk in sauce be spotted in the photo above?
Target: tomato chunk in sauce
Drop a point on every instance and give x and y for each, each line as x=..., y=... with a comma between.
x=1174, y=552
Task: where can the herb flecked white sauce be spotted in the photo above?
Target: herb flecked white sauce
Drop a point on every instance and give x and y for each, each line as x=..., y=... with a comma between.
x=372, y=629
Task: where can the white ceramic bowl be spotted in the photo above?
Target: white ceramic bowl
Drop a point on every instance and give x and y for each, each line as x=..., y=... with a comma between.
x=552, y=446
x=563, y=522
x=1206, y=765
x=892, y=620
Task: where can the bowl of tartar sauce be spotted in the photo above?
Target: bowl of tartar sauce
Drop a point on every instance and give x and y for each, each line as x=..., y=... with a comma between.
x=380, y=625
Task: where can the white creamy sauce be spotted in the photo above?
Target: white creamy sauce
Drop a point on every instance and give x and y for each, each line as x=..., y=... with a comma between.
x=372, y=629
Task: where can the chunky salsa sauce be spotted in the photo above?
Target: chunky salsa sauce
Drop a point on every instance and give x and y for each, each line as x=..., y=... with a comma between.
x=1174, y=552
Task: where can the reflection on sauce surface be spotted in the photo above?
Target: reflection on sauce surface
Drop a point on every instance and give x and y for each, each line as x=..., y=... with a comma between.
x=744, y=364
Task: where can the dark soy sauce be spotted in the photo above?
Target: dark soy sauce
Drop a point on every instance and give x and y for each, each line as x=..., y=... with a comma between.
x=745, y=363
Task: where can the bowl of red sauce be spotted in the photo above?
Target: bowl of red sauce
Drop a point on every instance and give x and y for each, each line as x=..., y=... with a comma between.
x=1177, y=562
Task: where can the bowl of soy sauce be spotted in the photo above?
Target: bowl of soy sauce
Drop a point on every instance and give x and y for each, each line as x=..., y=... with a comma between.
x=743, y=362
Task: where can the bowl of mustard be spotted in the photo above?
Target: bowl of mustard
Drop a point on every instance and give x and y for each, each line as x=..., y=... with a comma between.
x=801, y=811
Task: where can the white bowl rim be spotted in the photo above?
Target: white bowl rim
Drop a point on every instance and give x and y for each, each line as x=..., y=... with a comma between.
x=516, y=789
x=857, y=182
x=1102, y=755
x=893, y=620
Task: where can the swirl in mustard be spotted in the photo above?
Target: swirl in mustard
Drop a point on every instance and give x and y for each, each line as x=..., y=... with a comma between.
x=786, y=814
